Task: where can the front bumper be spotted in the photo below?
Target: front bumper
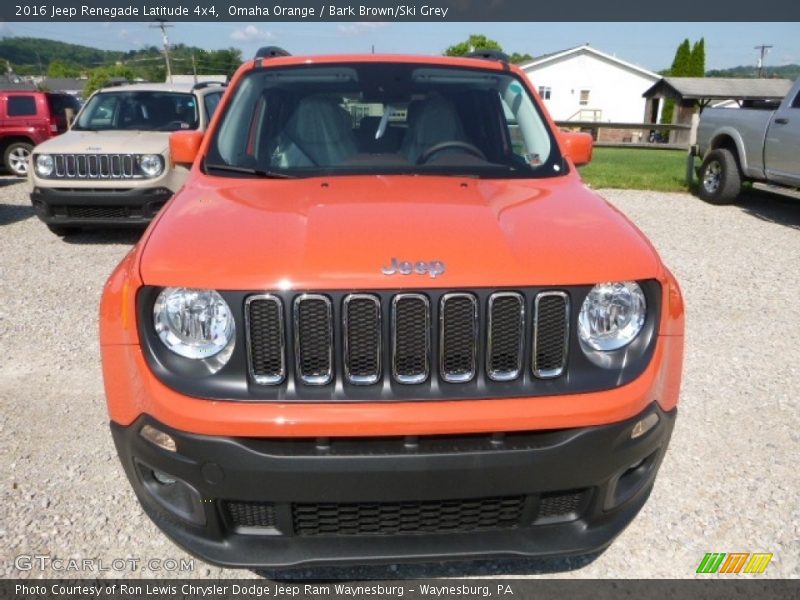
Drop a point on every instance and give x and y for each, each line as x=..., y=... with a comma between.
x=98, y=207
x=252, y=502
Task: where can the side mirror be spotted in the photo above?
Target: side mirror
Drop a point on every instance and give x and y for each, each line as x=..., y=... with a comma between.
x=577, y=146
x=183, y=146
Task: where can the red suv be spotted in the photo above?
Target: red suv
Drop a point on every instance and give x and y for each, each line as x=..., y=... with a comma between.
x=27, y=118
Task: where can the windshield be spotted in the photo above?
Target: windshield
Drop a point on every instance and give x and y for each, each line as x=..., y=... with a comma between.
x=381, y=118
x=140, y=110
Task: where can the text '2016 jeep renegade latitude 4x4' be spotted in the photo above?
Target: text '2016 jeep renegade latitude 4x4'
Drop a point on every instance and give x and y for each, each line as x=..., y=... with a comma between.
x=384, y=320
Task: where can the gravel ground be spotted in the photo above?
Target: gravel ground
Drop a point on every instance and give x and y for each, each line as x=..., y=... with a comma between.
x=729, y=483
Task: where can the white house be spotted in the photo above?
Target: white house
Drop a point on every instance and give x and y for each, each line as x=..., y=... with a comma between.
x=584, y=84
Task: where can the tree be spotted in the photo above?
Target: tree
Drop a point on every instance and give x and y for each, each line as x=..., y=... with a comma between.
x=698, y=59
x=681, y=67
x=60, y=68
x=102, y=75
x=473, y=42
x=518, y=59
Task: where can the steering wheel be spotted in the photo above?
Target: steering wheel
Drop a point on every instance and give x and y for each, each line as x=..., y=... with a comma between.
x=436, y=148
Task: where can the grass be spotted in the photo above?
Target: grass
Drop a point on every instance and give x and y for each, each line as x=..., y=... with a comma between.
x=637, y=169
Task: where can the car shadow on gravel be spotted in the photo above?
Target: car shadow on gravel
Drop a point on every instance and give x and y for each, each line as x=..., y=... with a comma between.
x=86, y=237
x=14, y=213
x=769, y=207
x=473, y=568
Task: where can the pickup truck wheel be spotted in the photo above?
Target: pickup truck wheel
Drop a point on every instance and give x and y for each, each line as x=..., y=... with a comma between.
x=17, y=157
x=62, y=230
x=720, y=180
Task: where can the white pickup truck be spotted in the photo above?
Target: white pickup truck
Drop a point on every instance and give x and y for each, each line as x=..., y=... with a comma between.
x=760, y=143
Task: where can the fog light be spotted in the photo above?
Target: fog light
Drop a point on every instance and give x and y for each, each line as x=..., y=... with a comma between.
x=644, y=426
x=163, y=478
x=159, y=438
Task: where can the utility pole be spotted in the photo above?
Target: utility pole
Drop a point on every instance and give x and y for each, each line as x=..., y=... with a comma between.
x=162, y=25
x=764, y=50
x=194, y=69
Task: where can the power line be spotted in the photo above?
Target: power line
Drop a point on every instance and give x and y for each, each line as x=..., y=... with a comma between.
x=764, y=50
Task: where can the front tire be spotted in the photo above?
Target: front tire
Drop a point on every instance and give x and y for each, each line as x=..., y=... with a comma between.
x=17, y=158
x=720, y=180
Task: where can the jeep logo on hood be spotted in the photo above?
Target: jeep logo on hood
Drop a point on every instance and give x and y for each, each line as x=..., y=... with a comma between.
x=433, y=268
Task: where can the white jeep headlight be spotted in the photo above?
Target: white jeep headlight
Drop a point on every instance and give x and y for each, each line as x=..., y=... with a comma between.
x=195, y=324
x=612, y=315
x=151, y=165
x=44, y=165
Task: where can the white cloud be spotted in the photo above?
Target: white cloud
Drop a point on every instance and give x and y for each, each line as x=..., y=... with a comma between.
x=251, y=33
x=350, y=29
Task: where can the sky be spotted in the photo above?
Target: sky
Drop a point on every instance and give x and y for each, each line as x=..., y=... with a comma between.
x=649, y=45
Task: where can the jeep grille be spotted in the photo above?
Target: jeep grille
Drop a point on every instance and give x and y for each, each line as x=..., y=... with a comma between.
x=95, y=166
x=369, y=330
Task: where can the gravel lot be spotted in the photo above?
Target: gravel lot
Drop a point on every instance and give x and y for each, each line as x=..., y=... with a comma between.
x=729, y=483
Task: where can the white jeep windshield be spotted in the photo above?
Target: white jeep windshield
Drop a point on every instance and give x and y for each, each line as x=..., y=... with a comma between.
x=140, y=110
x=382, y=118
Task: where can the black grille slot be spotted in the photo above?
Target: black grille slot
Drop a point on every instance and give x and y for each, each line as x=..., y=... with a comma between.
x=266, y=339
x=458, y=337
x=411, y=336
x=362, y=338
x=98, y=212
x=505, y=336
x=560, y=504
x=551, y=330
x=386, y=518
x=250, y=514
x=314, y=339
x=95, y=166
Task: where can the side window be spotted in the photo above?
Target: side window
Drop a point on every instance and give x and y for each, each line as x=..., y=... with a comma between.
x=21, y=106
x=544, y=92
x=796, y=103
x=211, y=101
x=584, y=99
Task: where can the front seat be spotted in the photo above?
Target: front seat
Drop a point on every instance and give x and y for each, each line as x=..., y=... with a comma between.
x=317, y=135
x=434, y=121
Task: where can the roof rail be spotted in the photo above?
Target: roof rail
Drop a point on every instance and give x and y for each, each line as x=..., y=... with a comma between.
x=115, y=82
x=488, y=55
x=204, y=84
x=271, y=52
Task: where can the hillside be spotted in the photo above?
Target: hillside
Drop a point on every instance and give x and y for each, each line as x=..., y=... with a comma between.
x=35, y=56
x=784, y=72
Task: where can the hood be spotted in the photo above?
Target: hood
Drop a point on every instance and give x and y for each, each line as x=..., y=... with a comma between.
x=107, y=142
x=341, y=232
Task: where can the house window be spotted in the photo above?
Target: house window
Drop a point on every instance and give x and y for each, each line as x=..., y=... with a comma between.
x=544, y=92
x=584, y=98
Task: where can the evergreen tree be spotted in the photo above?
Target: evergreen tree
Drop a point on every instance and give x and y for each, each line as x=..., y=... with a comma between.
x=681, y=67
x=699, y=58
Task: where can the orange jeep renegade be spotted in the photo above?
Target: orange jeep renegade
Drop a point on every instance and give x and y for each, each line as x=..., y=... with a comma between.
x=384, y=320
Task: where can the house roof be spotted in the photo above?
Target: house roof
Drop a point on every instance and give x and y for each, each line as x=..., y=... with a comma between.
x=586, y=49
x=51, y=84
x=719, y=88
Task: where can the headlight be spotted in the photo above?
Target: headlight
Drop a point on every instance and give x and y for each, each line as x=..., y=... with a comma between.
x=44, y=165
x=151, y=165
x=612, y=315
x=195, y=323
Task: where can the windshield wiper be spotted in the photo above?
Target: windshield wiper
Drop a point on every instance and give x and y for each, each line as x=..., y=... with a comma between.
x=248, y=171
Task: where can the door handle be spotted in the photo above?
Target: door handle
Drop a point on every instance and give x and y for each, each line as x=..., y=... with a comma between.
x=782, y=121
